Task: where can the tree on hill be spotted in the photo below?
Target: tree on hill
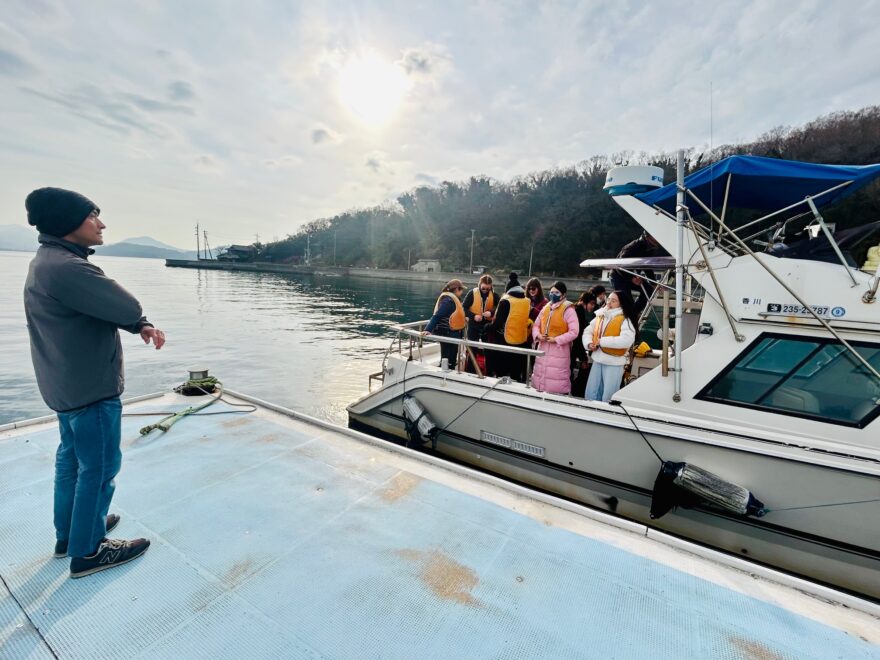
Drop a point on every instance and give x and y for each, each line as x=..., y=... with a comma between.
x=558, y=216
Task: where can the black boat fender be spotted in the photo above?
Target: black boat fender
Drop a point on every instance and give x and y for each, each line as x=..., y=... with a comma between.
x=687, y=486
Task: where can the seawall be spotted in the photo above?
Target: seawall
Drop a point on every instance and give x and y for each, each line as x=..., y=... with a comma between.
x=368, y=273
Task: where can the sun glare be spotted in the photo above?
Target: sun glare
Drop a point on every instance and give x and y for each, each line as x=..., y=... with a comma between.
x=372, y=88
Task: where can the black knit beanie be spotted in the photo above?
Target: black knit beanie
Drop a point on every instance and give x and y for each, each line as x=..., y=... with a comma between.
x=57, y=211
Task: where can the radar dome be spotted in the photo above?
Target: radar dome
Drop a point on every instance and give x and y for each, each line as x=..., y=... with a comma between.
x=632, y=179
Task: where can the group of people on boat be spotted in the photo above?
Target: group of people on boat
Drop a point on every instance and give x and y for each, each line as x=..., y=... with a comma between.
x=584, y=344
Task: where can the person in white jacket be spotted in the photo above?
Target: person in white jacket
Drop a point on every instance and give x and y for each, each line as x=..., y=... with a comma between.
x=607, y=339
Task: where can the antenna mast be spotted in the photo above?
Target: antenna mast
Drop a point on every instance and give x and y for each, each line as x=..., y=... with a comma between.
x=208, y=252
x=712, y=169
x=680, y=211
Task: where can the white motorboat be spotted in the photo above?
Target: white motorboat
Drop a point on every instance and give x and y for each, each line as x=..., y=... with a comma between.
x=753, y=429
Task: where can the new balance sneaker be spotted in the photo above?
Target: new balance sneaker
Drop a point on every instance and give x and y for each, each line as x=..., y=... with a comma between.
x=61, y=546
x=111, y=552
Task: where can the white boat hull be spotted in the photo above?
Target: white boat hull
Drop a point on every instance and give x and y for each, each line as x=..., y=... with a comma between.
x=593, y=453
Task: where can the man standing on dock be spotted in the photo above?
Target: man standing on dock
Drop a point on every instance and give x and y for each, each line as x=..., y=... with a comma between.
x=74, y=313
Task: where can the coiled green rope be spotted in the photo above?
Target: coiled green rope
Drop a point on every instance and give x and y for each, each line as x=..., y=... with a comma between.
x=192, y=386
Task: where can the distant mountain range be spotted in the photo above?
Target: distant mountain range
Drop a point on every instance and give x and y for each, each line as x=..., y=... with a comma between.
x=18, y=238
x=145, y=247
x=152, y=242
x=24, y=239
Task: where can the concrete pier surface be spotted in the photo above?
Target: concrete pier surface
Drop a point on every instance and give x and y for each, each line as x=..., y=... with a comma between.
x=275, y=535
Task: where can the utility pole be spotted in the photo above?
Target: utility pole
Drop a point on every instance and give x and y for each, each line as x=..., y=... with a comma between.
x=257, y=237
x=531, y=254
x=198, y=245
x=334, y=249
x=473, y=231
x=208, y=253
x=408, y=255
x=308, y=249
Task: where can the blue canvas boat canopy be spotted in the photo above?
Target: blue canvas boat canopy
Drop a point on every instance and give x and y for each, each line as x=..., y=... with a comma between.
x=766, y=184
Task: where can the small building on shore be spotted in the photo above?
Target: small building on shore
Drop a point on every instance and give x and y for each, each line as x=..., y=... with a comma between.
x=238, y=253
x=426, y=266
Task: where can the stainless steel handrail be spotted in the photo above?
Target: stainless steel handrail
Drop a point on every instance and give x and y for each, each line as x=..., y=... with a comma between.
x=406, y=326
x=414, y=331
x=406, y=329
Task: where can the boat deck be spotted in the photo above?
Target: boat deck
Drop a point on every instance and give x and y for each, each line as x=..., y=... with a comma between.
x=277, y=536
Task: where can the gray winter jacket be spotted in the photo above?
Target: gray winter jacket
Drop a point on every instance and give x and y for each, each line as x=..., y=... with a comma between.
x=73, y=315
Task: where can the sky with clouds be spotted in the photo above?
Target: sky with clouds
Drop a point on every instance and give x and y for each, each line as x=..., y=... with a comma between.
x=249, y=118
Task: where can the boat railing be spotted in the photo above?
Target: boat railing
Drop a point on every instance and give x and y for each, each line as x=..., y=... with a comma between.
x=818, y=219
x=416, y=336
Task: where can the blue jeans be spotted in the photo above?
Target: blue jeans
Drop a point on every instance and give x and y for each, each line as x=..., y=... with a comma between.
x=87, y=460
x=603, y=382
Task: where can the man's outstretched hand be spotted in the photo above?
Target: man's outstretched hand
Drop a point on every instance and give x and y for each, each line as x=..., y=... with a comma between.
x=148, y=332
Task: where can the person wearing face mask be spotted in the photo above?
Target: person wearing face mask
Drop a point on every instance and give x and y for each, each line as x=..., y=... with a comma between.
x=600, y=294
x=608, y=338
x=554, y=330
x=448, y=320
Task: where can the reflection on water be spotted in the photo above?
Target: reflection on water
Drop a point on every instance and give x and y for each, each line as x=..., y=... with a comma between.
x=303, y=342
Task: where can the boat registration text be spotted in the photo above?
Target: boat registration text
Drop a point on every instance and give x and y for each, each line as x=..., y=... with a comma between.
x=797, y=310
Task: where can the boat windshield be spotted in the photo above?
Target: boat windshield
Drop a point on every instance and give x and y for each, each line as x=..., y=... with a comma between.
x=805, y=377
x=803, y=245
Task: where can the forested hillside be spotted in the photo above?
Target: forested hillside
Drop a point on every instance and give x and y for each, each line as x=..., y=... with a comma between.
x=563, y=214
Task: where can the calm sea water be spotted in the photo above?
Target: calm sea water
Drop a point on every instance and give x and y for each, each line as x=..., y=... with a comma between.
x=303, y=342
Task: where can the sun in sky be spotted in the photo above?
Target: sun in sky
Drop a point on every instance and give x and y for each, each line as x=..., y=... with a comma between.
x=372, y=88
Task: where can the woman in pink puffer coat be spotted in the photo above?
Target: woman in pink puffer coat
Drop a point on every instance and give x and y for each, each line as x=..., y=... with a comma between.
x=553, y=336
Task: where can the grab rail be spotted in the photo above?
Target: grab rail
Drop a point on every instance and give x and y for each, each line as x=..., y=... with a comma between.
x=414, y=331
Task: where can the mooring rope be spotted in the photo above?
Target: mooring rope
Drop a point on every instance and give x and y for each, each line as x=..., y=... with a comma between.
x=820, y=506
x=635, y=426
x=192, y=385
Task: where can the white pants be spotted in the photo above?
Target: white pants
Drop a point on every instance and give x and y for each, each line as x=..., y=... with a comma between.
x=603, y=382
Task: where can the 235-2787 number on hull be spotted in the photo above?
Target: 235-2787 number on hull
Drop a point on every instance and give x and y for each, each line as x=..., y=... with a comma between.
x=797, y=310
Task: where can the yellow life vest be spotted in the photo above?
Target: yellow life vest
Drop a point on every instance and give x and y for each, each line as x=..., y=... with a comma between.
x=456, y=319
x=611, y=329
x=516, y=328
x=477, y=304
x=554, y=323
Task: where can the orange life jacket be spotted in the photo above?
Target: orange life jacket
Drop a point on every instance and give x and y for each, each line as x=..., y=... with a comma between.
x=516, y=327
x=456, y=319
x=610, y=329
x=554, y=323
x=477, y=304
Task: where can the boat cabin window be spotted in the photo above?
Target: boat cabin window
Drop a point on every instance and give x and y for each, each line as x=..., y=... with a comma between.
x=805, y=377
